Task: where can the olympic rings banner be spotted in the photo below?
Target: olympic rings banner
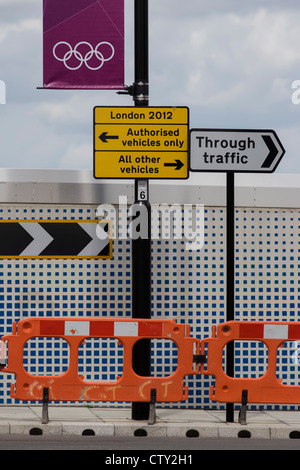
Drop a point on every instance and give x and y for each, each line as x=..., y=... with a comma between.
x=83, y=44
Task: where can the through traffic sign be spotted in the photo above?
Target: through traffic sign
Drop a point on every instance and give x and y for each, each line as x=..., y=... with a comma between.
x=55, y=239
x=142, y=143
x=240, y=150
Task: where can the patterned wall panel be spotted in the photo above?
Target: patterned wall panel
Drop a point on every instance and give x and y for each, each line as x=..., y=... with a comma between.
x=188, y=285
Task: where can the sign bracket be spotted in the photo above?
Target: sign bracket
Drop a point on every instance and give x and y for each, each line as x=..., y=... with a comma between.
x=128, y=90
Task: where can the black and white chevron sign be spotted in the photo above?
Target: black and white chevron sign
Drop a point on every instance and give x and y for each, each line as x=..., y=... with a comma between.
x=55, y=239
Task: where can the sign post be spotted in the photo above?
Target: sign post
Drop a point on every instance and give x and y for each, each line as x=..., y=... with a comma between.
x=141, y=143
x=141, y=247
x=233, y=151
x=230, y=280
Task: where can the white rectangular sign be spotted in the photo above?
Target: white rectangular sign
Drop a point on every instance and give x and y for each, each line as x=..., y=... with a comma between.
x=224, y=150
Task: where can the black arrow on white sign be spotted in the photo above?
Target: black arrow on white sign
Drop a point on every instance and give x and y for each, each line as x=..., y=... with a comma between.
x=52, y=239
x=273, y=151
x=235, y=150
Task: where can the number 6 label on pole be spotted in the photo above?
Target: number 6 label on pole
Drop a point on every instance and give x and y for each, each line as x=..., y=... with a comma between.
x=142, y=190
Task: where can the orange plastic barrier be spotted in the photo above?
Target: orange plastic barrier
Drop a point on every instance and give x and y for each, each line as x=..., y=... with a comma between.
x=264, y=389
x=70, y=387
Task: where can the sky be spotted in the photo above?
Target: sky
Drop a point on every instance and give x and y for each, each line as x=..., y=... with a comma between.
x=233, y=63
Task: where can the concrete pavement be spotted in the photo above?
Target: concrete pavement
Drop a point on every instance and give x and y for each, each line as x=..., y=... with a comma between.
x=104, y=421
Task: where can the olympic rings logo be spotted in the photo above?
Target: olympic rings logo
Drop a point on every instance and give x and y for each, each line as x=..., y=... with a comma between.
x=83, y=58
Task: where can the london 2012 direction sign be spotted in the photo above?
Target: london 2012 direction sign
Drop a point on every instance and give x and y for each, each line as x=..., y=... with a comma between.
x=147, y=143
x=55, y=239
x=240, y=150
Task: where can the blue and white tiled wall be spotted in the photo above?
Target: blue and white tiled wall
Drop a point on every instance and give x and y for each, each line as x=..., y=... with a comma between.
x=187, y=285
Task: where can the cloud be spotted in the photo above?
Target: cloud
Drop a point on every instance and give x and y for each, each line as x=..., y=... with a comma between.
x=77, y=156
x=231, y=62
x=22, y=26
x=224, y=59
x=290, y=137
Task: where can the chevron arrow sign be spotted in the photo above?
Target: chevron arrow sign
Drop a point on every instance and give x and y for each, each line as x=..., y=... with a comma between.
x=55, y=239
x=235, y=150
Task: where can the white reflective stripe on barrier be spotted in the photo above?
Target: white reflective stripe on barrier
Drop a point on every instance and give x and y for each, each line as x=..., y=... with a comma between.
x=101, y=328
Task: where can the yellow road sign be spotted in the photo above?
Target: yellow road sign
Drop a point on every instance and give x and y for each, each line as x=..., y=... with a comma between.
x=139, y=137
x=141, y=165
x=149, y=115
x=141, y=143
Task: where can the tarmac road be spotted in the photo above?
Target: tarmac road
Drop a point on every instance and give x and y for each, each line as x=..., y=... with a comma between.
x=144, y=446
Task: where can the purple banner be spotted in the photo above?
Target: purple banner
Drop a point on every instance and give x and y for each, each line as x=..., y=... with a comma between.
x=83, y=44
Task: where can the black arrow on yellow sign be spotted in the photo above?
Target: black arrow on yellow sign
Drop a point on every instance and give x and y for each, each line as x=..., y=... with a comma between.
x=104, y=137
x=177, y=165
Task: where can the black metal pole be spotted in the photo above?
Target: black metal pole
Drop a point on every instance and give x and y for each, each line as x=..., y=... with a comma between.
x=141, y=53
x=141, y=247
x=230, y=286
